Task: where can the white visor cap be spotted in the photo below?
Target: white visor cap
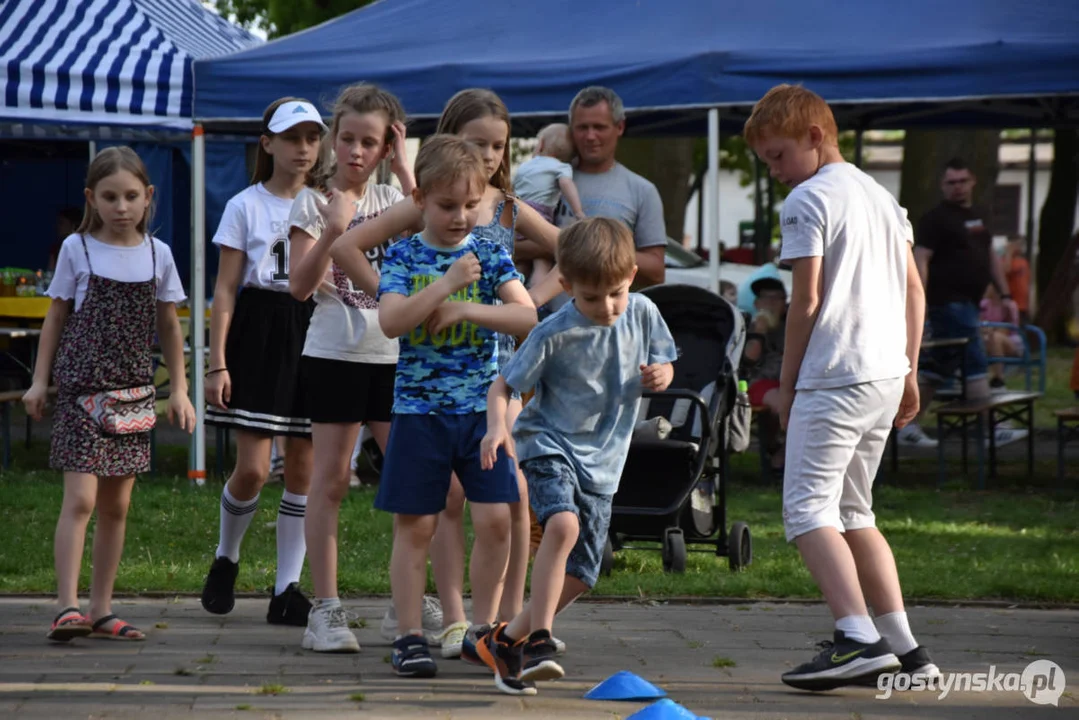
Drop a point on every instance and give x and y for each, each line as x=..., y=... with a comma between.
x=293, y=113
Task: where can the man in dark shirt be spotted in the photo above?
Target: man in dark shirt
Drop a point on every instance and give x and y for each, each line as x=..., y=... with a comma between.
x=954, y=252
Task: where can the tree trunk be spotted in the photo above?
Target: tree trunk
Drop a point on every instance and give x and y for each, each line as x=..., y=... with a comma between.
x=925, y=152
x=1057, y=221
x=668, y=164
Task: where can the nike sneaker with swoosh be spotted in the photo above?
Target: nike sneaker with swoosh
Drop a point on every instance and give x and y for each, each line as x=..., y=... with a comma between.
x=843, y=662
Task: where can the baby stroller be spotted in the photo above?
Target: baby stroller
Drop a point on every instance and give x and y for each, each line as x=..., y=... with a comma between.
x=673, y=490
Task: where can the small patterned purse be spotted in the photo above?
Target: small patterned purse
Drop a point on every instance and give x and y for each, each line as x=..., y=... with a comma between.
x=122, y=412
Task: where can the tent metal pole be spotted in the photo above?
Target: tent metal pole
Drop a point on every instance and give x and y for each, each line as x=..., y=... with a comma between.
x=712, y=196
x=1032, y=175
x=197, y=463
x=858, y=148
x=93, y=149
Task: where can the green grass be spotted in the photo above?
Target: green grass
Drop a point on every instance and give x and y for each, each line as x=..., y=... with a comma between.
x=1020, y=542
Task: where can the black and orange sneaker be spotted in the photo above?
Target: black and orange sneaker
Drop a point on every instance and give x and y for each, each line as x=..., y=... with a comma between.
x=474, y=636
x=538, y=658
x=504, y=658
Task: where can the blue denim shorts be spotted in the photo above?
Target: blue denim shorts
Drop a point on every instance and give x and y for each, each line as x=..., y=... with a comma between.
x=422, y=452
x=553, y=488
x=954, y=320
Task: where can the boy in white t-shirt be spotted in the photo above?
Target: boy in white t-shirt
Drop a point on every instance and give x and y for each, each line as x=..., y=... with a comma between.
x=848, y=375
x=542, y=181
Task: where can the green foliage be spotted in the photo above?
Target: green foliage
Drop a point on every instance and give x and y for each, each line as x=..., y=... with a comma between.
x=283, y=17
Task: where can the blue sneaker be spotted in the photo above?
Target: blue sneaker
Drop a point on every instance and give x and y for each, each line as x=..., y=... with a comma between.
x=411, y=657
x=475, y=635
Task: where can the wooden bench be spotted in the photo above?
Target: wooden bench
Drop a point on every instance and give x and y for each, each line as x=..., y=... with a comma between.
x=1067, y=431
x=998, y=407
x=6, y=399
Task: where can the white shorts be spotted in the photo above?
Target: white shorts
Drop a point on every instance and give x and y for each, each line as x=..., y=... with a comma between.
x=835, y=441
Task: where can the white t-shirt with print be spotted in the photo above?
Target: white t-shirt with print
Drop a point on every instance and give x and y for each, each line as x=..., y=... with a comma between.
x=255, y=222
x=115, y=262
x=345, y=325
x=863, y=235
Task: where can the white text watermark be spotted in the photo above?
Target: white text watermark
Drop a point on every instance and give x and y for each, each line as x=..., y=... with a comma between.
x=1042, y=682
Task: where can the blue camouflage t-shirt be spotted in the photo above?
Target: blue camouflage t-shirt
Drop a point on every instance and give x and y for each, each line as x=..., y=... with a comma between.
x=451, y=372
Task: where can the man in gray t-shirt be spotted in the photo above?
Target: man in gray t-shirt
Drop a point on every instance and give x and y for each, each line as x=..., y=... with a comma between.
x=607, y=188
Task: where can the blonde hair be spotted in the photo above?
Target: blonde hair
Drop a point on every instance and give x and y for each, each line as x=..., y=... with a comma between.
x=596, y=251
x=445, y=159
x=361, y=98
x=264, y=161
x=472, y=104
x=789, y=111
x=557, y=142
x=109, y=162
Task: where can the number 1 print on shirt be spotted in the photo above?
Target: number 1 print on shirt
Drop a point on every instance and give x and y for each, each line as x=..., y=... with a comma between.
x=279, y=250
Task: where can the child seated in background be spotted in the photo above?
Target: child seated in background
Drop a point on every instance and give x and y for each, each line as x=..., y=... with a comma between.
x=542, y=181
x=763, y=354
x=999, y=342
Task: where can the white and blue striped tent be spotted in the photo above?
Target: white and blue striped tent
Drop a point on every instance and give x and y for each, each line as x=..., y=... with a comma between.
x=105, y=62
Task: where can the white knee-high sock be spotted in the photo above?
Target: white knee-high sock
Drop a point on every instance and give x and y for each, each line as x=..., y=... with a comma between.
x=895, y=627
x=236, y=516
x=291, y=546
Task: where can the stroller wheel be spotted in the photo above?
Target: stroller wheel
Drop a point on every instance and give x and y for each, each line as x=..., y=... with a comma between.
x=739, y=547
x=674, y=551
x=607, y=563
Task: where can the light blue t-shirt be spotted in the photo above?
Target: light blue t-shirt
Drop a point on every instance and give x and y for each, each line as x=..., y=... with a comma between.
x=451, y=372
x=588, y=387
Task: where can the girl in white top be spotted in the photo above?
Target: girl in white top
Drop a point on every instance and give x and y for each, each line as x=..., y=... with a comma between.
x=114, y=287
x=257, y=331
x=348, y=365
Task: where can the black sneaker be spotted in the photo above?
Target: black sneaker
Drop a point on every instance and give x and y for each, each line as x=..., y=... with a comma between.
x=539, y=658
x=473, y=637
x=218, y=593
x=918, y=662
x=505, y=659
x=843, y=662
x=289, y=608
x=411, y=657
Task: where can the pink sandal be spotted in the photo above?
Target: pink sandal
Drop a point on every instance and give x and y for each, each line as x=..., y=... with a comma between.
x=68, y=625
x=120, y=630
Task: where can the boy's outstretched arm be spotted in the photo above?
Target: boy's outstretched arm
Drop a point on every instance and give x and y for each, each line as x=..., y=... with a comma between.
x=806, y=288
x=349, y=246
x=573, y=198
x=516, y=316
x=399, y=314
x=498, y=400
x=908, y=407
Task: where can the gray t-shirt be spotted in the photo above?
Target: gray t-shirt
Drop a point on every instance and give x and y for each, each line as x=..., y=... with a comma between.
x=623, y=195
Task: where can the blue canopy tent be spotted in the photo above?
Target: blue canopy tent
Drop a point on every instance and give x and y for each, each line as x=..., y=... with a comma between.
x=104, y=72
x=963, y=62
x=679, y=65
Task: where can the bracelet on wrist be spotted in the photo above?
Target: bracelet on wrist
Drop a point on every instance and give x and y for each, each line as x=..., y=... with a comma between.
x=215, y=371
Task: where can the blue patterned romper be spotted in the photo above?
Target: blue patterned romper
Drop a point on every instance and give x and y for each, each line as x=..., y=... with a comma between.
x=496, y=232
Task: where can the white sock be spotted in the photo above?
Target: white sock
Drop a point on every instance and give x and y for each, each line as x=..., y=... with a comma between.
x=236, y=516
x=327, y=603
x=355, y=452
x=291, y=546
x=895, y=627
x=859, y=628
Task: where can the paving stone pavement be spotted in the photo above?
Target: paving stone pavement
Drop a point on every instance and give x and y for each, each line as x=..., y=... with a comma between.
x=195, y=665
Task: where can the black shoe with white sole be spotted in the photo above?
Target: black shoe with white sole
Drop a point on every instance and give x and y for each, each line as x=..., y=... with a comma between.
x=918, y=662
x=843, y=662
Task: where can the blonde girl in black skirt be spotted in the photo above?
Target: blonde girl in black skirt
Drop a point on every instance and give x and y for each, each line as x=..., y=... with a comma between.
x=257, y=332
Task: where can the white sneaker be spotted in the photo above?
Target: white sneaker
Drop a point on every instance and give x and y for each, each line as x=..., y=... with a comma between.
x=327, y=631
x=432, y=621
x=1004, y=434
x=452, y=638
x=913, y=436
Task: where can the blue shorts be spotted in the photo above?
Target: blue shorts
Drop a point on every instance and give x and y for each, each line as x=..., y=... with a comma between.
x=553, y=488
x=422, y=452
x=954, y=320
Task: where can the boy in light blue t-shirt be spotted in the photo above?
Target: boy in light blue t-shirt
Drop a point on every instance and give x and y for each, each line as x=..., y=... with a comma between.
x=590, y=363
x=437, y=294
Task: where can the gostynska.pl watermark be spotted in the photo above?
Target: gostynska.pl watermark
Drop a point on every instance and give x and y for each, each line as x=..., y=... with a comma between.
x=1042, y=682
